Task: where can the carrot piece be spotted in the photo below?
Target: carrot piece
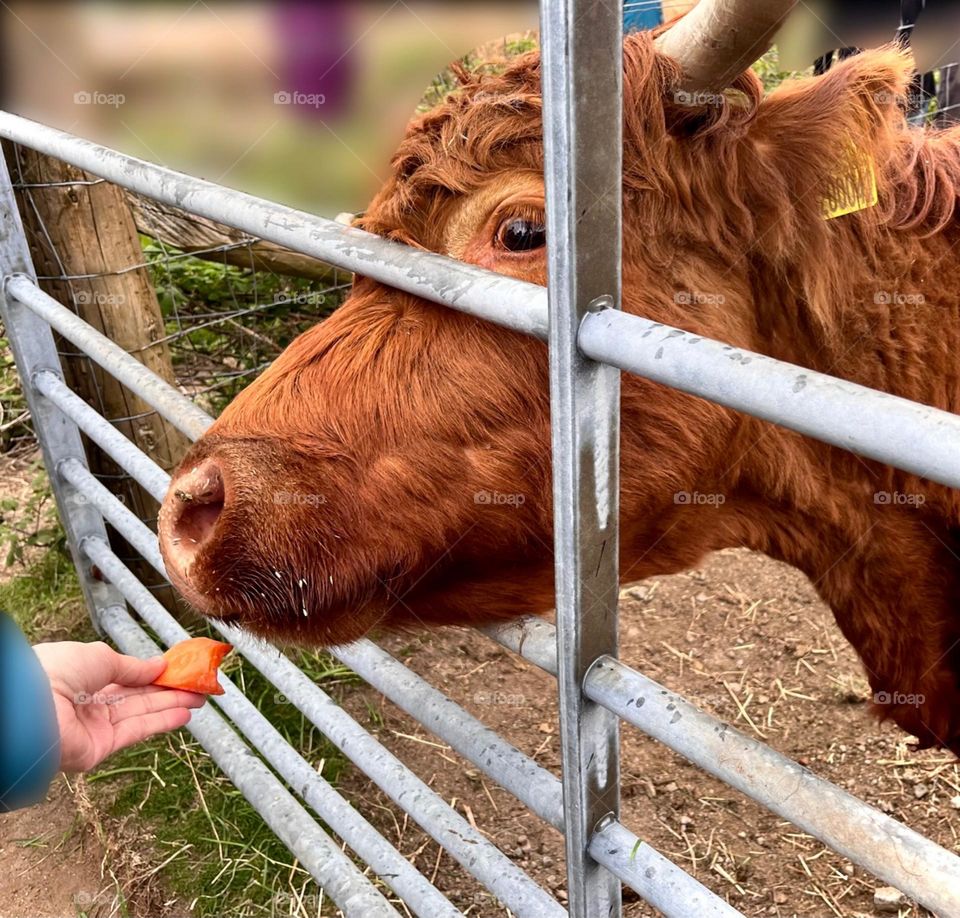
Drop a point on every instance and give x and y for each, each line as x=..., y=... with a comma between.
x=192, y=665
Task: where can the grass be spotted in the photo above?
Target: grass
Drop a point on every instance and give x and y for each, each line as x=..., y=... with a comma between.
x=212, y=849
x=45, y=600
x=196, y=834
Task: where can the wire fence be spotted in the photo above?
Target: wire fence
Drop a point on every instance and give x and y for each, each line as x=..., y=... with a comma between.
x=222, y=323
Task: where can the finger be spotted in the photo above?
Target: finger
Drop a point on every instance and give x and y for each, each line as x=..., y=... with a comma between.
x=134, y=729
x=130, y=671
x=116, y=693
x=153, y=702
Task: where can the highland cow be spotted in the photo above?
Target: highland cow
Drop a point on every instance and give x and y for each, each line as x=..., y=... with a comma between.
x=392, y=467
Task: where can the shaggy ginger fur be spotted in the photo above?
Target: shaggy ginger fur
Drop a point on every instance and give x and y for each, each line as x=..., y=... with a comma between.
x=396, y=414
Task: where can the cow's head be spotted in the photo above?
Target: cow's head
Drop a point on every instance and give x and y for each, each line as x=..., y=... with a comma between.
x=393, y=465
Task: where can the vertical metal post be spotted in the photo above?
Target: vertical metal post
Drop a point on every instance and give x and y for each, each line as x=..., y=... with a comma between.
x=582, y=60
x=34, y=349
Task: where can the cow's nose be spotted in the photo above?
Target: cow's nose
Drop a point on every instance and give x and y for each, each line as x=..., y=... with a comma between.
x=189, y=514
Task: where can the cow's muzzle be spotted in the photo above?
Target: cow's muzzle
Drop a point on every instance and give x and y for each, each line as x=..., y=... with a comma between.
x=189, y=515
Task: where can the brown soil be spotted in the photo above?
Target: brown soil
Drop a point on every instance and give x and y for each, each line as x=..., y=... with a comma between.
x=64, y=857
x=742, y=626
x=51, y=861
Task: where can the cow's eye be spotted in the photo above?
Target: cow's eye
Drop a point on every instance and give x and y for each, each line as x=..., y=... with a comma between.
x=519, y=235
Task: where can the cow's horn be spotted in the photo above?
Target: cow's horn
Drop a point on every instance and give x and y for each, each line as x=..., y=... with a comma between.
x=718, y=39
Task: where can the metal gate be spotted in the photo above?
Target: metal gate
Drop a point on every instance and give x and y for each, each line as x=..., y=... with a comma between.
x=590, y=342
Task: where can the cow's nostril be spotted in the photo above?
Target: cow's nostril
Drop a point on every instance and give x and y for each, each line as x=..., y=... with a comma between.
x=190, y=513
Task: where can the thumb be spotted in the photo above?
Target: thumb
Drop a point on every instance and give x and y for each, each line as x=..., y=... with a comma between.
x=132, y=671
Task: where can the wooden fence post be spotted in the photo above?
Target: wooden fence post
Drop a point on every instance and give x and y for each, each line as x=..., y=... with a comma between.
x=88, y=256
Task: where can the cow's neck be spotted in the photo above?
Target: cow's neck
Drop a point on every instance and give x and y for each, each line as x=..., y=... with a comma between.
x=887, y=319
x=890, y=572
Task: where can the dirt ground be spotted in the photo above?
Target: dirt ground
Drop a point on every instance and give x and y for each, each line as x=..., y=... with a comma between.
x=62, y=858
x=746, y=639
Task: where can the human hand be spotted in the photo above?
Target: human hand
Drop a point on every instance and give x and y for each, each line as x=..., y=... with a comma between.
x=105, y=702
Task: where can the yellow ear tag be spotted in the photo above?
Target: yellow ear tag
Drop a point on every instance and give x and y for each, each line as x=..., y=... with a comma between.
x=853, y=190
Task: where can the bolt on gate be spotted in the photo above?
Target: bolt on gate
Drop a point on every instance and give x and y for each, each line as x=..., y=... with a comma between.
x=590, y=343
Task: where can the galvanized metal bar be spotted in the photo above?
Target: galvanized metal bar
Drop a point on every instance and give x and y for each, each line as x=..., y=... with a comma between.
x=659, y=881
x=169, y=402
x=356, y=896
x=656, y=879
x=33, y=347
x=121, y=450
x=422, y=897
x=128, y=524
x=889, y=429
x=538, y=788
x=888, y=849
x=927, y=440
x=481, y=858
x=581, y=46
x=503, y=300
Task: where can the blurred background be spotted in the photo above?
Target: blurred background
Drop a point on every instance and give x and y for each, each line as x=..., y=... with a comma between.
x=297, y=101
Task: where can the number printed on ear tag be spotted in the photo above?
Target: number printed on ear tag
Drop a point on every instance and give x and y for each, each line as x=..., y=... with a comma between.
x=855, y=189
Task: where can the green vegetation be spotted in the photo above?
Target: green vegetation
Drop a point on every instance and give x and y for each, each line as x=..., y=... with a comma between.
x=219, y=856
x=45, y=598
x=225, y=323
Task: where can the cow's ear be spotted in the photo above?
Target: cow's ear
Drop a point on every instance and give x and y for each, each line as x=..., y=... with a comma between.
x=859, y=104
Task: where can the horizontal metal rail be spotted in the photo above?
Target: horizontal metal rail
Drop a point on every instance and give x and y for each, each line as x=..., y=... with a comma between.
x=420, y=895
x=121, y=450
x=503, y=300
x=887, y=848
x=655, y=878
x=464, y=843
x=889, y=429
x=139, y=379
x=356, y=896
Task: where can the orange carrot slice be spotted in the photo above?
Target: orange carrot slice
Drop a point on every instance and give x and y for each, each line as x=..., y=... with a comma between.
x=192, y=666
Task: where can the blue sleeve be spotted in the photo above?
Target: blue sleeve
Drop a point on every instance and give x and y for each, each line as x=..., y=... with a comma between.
x=29, y=737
